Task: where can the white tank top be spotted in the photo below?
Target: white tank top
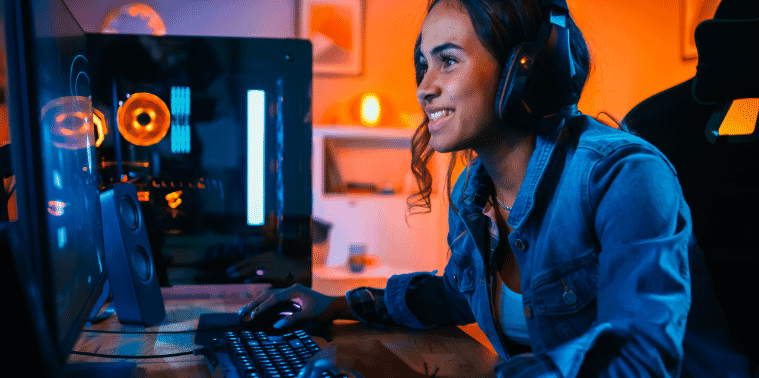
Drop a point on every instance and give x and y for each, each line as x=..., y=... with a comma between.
x=511, y=309
x=512, y=316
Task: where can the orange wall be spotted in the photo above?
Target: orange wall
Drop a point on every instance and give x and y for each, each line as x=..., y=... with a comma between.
x=635, y=45
x=390, y=30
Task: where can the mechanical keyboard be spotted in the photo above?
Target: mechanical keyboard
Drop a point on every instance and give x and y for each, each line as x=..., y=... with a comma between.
x=254, y=354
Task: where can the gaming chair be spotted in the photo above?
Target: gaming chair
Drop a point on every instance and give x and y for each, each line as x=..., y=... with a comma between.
x=718, y=173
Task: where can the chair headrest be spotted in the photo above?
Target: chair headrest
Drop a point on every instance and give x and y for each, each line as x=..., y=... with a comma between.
x=728, y=60
x=728, y=57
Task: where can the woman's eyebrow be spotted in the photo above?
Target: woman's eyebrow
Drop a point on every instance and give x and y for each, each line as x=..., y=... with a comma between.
x=445, y=46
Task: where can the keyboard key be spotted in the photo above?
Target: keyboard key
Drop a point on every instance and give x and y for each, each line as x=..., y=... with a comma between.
x=296, y=343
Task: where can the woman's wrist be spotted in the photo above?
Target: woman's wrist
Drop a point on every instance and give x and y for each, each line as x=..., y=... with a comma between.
x=338, y=309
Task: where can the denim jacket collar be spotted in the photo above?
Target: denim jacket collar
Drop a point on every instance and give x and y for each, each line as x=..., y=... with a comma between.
x=479, y=186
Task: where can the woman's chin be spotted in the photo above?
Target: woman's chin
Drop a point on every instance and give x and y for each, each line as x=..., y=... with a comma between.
x=441, y=146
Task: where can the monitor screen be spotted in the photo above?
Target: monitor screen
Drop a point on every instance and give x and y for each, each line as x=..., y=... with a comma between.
x=56, y=207
x=215, y=132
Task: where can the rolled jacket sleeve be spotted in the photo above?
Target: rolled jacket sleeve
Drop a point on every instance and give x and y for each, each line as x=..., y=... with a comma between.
x=418, y=300
x=643, y=227
x=424, y=300
x=421, y=300
x=368, y=305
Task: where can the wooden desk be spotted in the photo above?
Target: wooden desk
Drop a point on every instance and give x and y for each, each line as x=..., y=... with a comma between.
x=451, y=349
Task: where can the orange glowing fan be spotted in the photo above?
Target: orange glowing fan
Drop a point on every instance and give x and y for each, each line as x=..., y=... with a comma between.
x=144, y=119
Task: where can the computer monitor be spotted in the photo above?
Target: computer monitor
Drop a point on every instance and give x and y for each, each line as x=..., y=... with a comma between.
x=215, y=132
x=53, y=228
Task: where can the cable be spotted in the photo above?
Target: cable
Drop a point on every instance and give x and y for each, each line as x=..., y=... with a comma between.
x=159, y=332
x=196, y=352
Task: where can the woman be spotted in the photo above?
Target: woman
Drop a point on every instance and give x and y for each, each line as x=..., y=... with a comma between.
x=570, y=250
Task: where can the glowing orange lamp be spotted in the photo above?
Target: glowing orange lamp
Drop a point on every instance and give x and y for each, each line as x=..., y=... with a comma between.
x=371, y=110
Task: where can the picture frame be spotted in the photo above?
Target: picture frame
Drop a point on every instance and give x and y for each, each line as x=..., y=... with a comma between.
x=336, y=30
x=693, y=13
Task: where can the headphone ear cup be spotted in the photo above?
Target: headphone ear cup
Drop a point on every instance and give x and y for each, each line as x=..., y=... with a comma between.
x=510, y=85
x=536, y=82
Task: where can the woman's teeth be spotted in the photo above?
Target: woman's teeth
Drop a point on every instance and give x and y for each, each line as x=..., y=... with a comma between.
x=440, y=113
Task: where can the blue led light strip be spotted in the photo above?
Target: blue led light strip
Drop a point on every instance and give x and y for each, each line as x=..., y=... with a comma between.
x=180, y=120
x=255, y=143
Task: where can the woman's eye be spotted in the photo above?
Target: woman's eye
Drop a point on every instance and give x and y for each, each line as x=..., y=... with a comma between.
x=448, y=61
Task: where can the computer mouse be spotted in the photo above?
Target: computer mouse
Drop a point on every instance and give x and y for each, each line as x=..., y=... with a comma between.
x=266, y=319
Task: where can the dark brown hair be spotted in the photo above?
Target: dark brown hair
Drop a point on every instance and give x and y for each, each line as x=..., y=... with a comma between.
x=500, y=25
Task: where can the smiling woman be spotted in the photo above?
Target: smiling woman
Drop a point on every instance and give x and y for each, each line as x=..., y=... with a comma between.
x=483, y=49
x=571, y=243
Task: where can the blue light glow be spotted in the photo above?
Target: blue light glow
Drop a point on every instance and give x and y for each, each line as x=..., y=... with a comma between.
x=180, y=120
x=100, y=260
x=61, y=237
x=255, y=177
x=57, y=179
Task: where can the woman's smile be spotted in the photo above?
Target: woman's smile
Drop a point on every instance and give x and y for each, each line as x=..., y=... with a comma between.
x=438, y=119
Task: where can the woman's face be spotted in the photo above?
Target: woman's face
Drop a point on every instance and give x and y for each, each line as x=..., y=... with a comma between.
x=458, y=89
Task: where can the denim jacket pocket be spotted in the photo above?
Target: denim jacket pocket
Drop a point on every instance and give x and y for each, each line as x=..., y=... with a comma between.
x=567, y=289
x=563, y=302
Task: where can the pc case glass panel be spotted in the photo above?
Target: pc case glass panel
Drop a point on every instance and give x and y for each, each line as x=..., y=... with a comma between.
x=231, y=175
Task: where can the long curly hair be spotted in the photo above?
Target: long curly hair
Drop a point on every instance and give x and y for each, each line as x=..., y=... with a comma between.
x=500, y=25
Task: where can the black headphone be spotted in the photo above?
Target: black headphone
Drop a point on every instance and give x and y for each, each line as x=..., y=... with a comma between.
x=536, y=82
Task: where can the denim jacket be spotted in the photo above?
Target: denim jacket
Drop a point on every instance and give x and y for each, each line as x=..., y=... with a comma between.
x=602, y=236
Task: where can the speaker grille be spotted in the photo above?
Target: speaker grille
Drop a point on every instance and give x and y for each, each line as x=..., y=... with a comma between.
x=141, y=264
x=129, y=213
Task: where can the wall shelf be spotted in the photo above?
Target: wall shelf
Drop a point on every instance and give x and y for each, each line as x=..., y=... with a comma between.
x=379, y=158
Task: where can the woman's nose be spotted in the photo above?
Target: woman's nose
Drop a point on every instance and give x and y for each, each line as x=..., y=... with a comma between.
x=428, y=89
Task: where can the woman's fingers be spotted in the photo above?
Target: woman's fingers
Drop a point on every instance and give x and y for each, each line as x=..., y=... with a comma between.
x=257, y=301
x=289, y=320
x=310, y=304
x=275, y=297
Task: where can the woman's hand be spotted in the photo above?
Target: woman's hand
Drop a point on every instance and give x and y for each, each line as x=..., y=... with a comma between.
x=358, y=358
x=312, y=304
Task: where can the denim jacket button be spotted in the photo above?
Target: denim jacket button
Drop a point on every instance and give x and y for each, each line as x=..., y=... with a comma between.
x=520, y=245
x=569, y=297
x=527, y=312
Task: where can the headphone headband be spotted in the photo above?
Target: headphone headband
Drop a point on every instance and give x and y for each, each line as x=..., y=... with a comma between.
x=558, y=3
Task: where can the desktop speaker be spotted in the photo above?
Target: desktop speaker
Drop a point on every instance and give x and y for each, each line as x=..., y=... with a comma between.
x=131, y=272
